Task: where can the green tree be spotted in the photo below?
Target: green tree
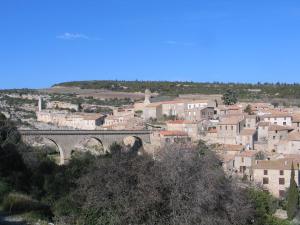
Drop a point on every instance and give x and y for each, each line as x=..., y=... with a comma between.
x=293, y=196
x=248, y=110
x=230, y=97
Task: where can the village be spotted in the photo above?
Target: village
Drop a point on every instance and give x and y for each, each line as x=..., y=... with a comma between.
x=256, y=142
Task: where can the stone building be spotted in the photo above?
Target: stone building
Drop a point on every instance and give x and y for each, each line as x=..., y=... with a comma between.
x=84, y=121
x=278, y=118
x=274, y=175
x=190, y=127
x=161, y=138
x=199, y=114
x=290, y=145
x=247, y=137
x=296, y=121
x=243, y=162
x=229, y=128
x=62, y=105
x=276, y=133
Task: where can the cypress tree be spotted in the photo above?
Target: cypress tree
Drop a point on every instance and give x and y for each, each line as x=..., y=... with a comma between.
x=292, y=198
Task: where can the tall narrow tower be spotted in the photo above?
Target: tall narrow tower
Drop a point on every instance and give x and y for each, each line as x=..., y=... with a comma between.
x=40, y=103
x=147, y=97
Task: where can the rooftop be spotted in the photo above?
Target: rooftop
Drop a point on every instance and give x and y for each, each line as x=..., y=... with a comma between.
x=279, y=128
x=279, y=164
x=245, y=132
x=172, y=133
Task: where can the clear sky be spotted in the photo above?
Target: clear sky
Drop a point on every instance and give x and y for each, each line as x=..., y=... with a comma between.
x=43, y=42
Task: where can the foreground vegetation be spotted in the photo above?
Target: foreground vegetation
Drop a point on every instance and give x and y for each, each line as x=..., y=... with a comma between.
x=184, y=185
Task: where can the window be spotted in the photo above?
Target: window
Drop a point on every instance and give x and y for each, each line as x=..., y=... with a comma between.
x=265, y=172
x=167, y=140
x=242, y=159
x=274, y=137
x=275, y=123
x=284, y=123
x=281, y=172
x=281, y=181
x=265, y=180
x=231, y=127
x=226, y=127
x=220, y=127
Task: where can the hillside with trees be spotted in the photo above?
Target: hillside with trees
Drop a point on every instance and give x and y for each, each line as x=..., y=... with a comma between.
x=243, y=90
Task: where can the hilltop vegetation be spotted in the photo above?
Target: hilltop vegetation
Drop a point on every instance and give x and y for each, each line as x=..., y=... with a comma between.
x=243, y=90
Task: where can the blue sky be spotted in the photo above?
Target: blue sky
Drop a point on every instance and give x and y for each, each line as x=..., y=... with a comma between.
x=43, y=42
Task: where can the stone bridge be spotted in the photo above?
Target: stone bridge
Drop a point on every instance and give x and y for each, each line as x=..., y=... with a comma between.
x=66, y=140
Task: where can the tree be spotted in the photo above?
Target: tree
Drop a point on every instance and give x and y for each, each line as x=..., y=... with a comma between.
x=248, y=110
x=230, y=97
x=293, y=196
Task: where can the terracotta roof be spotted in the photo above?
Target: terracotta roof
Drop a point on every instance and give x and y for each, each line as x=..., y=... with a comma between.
x=231, y=120
x=279, y=164
x=279, y=128
x=227, y=147
x=277, y=114
x=180, y=122
x=294, y=136
x=245, y=132
x=172, y=133
x=296, y=118
x=247, y=153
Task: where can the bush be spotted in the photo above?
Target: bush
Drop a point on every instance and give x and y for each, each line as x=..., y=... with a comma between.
x=20, y=203
x=4, y=189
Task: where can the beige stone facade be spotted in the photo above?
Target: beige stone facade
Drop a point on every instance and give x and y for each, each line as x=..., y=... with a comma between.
x=274, y=175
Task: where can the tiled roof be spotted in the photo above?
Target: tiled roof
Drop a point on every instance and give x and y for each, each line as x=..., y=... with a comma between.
x=277, y=114
x=296, y=118
x=279, y=164
x=231, y=120
x=278, y=128
x=180, y=122
x=172, y=133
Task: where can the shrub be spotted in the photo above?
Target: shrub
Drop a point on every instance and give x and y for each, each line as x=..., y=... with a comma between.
x=20, y=203
x=4, y=189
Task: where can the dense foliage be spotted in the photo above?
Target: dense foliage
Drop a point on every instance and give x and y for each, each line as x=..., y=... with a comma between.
x=244, y=90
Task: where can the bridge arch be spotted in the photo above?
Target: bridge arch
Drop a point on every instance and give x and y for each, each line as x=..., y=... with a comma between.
x=133, y=142
x=92, y=144
x=59, y=148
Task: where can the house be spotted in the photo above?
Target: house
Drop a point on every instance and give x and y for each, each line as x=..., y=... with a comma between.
x=244, y=161
x=247, y=137
x=251, y=121
x=199, y=113
x=85, y=121
x=276, y=133
x=262, y=131
x=274, y=175
x=296, y=121
x=161, y=138
x=290, y=145
x=229, y=128
x=190, y=127
x=278, y=118
x=229, y=110
x=152, y=111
